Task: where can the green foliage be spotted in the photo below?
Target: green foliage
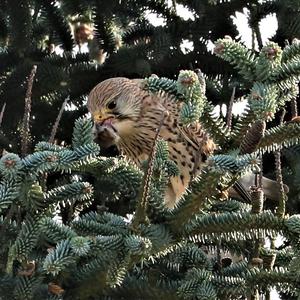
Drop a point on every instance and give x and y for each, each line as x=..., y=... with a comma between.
x=58, y=259
x=286, y=135
x=215, y=126
x=238, y=55
x=57, y=21
x=66, y=213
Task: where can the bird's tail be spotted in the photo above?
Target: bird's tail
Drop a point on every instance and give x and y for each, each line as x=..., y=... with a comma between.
x=270, y=187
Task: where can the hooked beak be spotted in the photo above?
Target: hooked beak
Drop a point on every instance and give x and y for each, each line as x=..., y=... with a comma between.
x=100, y=116
x=105, y=134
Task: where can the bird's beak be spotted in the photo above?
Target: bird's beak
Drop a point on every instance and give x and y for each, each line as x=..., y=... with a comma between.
x=104, y=132
x=100, y=116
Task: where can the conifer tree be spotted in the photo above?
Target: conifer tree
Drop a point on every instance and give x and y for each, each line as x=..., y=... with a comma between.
x=74, y=225
x=54, y=247
x=121, y=42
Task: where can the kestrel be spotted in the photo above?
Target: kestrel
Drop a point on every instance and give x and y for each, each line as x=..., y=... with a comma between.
x=127, y=115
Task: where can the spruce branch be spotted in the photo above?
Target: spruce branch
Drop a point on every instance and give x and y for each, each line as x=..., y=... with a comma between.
x=203, y=186
x=286, y=72
x=25, y=131
x=242, y=58
x=58, y=258
x=215, y=126
x=291, y=51
x=286, y=135
x=231, y=222
x=242, y=126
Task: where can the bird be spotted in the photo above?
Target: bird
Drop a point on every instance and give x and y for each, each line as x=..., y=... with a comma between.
x=127, y=115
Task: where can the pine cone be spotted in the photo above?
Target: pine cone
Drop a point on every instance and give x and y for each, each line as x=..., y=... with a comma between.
x=253, y=137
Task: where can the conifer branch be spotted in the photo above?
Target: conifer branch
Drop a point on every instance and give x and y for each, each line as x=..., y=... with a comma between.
x=286, y=134
x=25, y=131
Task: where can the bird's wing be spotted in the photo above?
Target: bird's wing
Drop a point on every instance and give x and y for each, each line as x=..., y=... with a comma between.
x=193, y=134
x=198, y=138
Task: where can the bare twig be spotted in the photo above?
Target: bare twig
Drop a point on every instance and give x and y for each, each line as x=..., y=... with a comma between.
x=282, y=116
x=260, y=174
x=57, y=121
x=25, y=131
x=281, y=205
x=278, y=170
x=294, y=108
x=258, y=36
x=252, y=39
x=141, y=210
x=257, y=201
x=2, y=113
x=229, y=109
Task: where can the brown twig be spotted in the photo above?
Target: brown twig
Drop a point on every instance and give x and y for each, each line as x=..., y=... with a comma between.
x=25, y=131
x=141, y=210
x=2, y=113
x=278, y=170
x=258, y=36
x=282, y=116
x=294, y=108
x=229, y=109
x=57, y=121
x=260, y=174
x=257, y=201
x=252, y=39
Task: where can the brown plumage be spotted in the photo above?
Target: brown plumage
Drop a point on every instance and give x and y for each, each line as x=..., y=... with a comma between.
x=127, y=115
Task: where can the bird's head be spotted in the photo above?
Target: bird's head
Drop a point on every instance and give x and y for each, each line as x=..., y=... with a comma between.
x=115, y=107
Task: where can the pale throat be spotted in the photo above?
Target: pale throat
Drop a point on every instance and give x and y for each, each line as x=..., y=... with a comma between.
x=125, y=128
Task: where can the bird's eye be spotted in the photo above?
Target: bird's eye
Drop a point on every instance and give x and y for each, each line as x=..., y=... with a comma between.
x=112, y=105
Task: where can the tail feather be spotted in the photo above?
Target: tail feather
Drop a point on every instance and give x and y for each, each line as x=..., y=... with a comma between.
x=270, y=187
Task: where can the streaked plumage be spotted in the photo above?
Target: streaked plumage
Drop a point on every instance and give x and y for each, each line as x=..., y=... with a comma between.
x=132, y=123
x=127, y=115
